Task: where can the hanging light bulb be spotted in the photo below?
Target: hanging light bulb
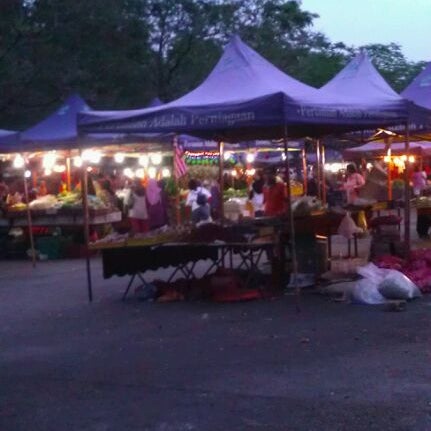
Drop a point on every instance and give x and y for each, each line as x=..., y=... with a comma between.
x=77, y=161
x=227, y=155
x=96, y=156
x=91, y=156
x=140, y=173
x=156, y=158
x=234, y=173
x=27, y=174
x=49, y=160
x=119, y=158
x=128, y=173
x=166, y=173
x=250, y=158
x=59, y=168
x=152, y=172
x=18, y=162
x=412, y=159
x=143, y=160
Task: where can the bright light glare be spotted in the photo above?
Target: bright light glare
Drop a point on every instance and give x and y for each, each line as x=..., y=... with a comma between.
x=77, y=161
x=18, y=162
x=166, y=173
x=227, y=155
x=128, y=173
x=59, y=168
x=156, y=158
x=143, y=160
x=49, y=160
x=250, y=158
x=119, y=158
x=27, y=174
x=152, y=172
x=91, y=156
x=140, y=173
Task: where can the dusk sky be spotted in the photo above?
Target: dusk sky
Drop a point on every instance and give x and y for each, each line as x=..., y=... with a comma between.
x=359, y=22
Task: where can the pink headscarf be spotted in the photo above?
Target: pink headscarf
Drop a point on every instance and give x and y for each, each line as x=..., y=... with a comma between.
x=153, y=192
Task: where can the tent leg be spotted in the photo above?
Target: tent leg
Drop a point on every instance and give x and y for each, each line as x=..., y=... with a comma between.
x=304, y=172
x=291, y=225
x=29, y=223
x=318, y=173
x=323, y=179
x=407, y=191
x=221, y=178
x=84, y=191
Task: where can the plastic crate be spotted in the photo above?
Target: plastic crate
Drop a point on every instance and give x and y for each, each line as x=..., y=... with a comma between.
x=49, y=246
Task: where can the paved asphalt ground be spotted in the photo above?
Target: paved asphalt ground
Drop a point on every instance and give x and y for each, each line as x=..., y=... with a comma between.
x=112, y=366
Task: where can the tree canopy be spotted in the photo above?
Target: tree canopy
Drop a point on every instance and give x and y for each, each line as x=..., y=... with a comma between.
x=122, y=53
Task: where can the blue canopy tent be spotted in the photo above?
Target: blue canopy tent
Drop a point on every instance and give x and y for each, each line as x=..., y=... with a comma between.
x=361, y=84
x=419, y=90
x=246, y=97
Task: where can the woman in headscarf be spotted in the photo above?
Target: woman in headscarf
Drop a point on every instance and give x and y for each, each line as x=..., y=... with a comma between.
x=156, y=207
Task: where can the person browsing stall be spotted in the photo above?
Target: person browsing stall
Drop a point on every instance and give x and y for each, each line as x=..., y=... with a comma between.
x=138, y=211
x=354, y=182
x=274, y=198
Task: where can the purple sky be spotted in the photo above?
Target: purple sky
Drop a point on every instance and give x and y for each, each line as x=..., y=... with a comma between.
x=359, y=22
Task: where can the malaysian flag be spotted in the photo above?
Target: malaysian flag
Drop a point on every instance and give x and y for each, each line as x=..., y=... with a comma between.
x=180, y=167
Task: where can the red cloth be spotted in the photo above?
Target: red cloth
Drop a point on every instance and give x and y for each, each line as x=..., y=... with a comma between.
x=274, y=199
x=139, y=225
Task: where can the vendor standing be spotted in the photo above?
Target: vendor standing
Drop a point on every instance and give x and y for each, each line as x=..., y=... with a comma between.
x=354, y=182
x=274, y=197
x=419, y=180
x=194, y=191
x=157, y=215
x=138, y=212
x=256, y=195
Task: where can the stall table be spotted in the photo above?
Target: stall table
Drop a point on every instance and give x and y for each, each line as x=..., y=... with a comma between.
x=59, y=218
x=134, y=261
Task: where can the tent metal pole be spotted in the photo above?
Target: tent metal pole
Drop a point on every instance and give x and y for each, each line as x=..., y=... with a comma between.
x=319, y=191
x=221, y=178
x=86, y=222
x=407, y=190
x=388, y=143
x=175, y=177
x=304, y=172
x=68, y=174
x=323, y=179
x=291, y=222
x=29, y=222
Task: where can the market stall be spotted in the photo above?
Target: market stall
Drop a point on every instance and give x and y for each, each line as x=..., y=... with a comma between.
x=253, y=99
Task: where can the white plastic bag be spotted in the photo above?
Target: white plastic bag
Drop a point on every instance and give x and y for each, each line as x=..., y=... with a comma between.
x=373, y=273
x=365, y=291
x=348, y=227
x=396, y=285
